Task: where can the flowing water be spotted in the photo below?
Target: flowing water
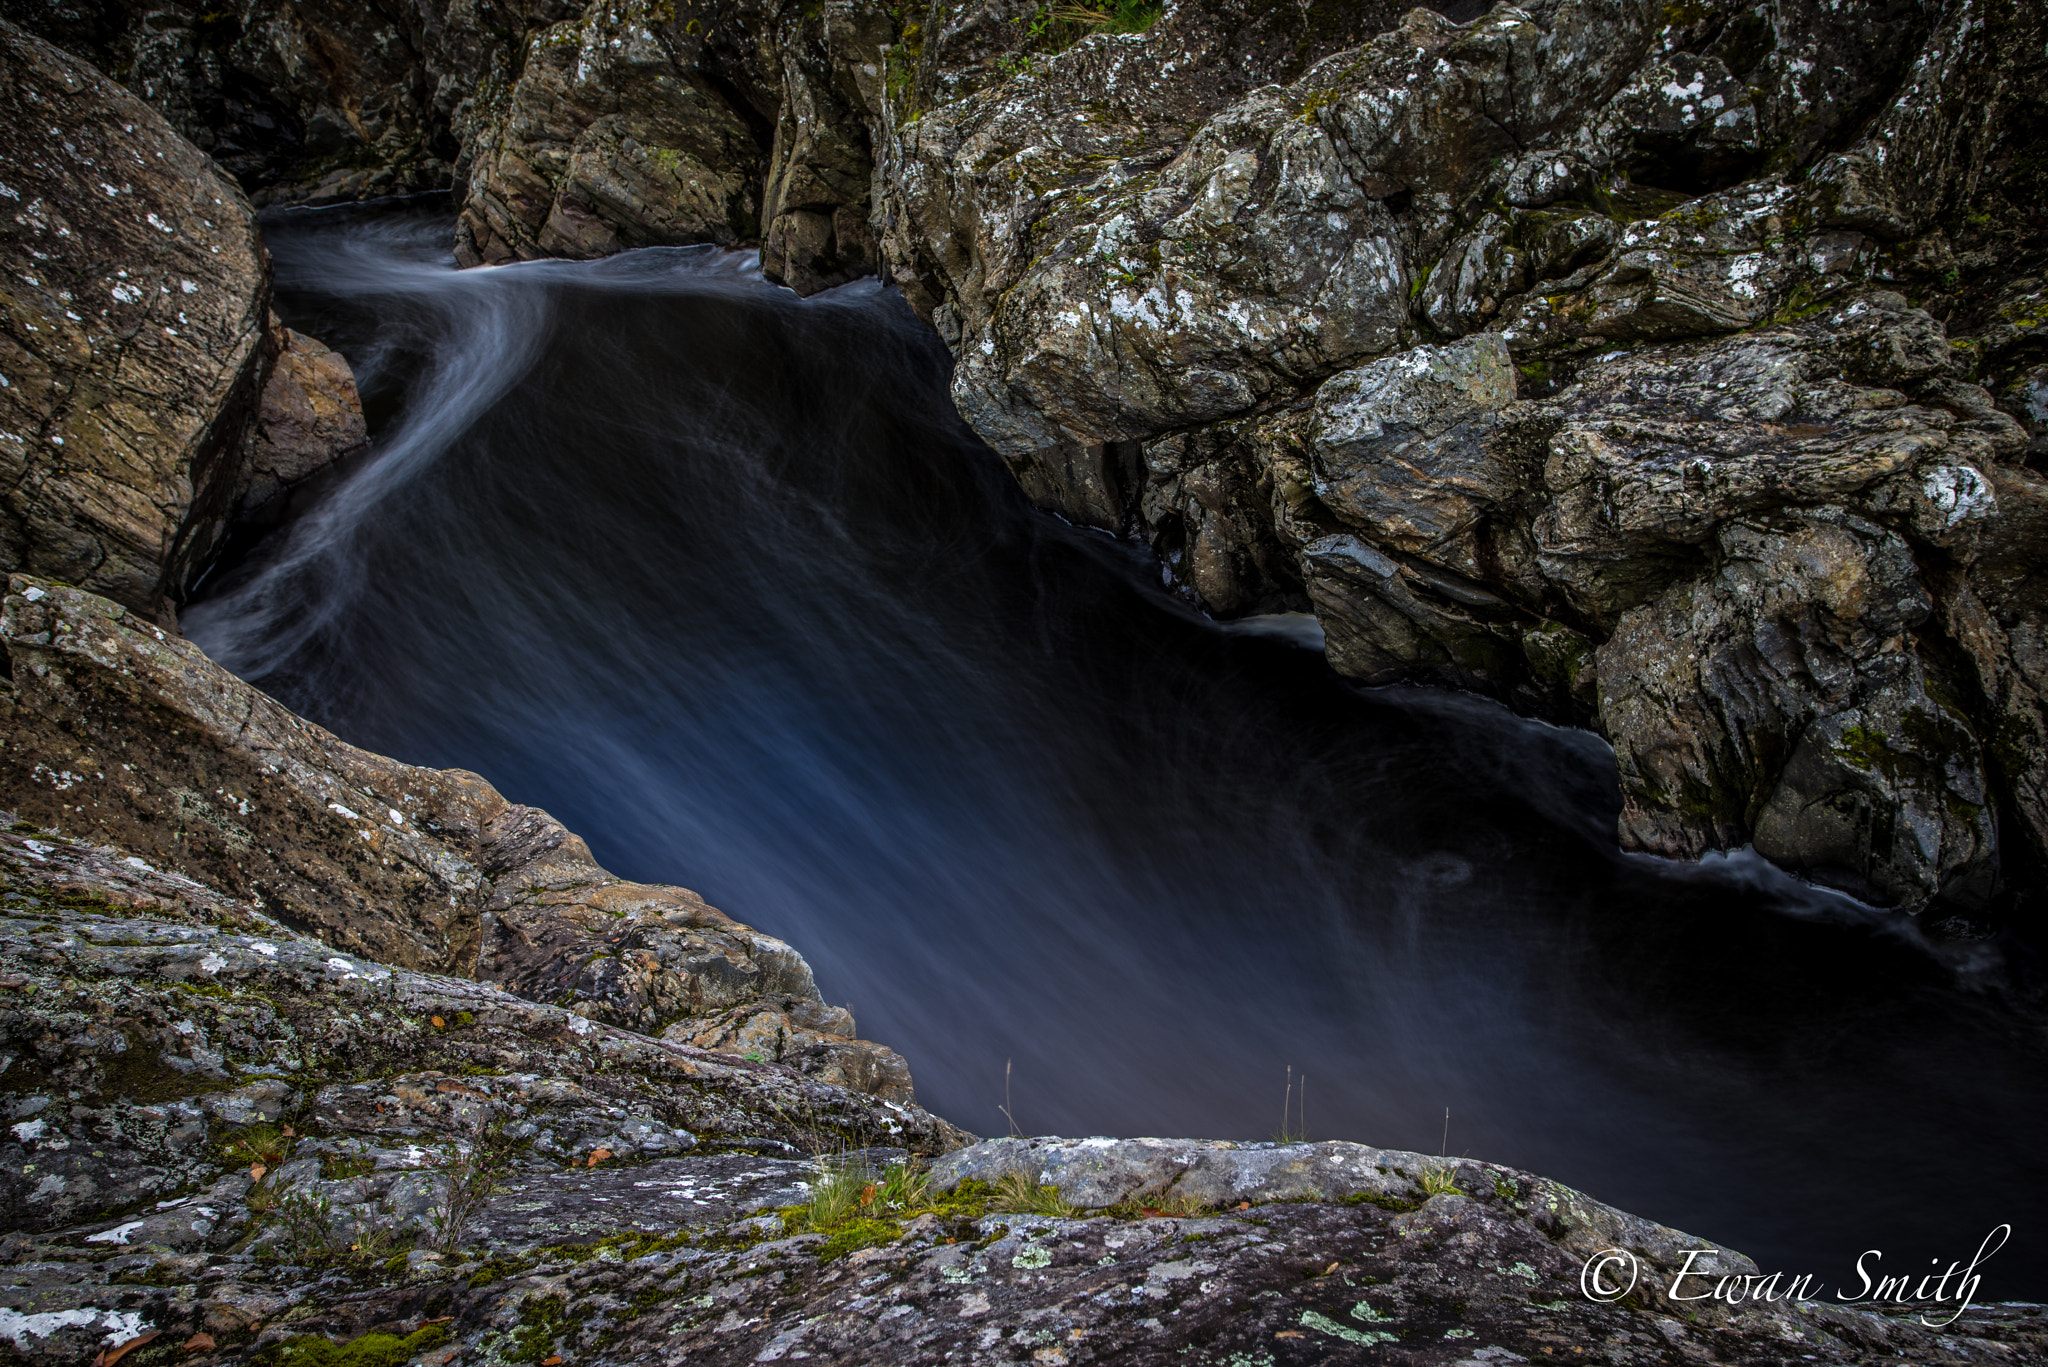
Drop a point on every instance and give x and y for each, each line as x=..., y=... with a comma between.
x=717, y=576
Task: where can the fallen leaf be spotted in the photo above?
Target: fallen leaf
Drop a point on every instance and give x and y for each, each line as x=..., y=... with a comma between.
x=1244, y=1205
x=1328, y=1270
x=555, y=1361
x=439, y=1024
x=290, y=1133
x=256, y=1171
x=201, y=1342
x=108, y=1357
x=867, y=1194
x=596, y=1156
x=449, y=1356
x=1290, y=1334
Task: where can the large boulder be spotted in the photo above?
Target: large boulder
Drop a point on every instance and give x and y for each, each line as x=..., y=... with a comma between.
x=151, y=397
x=134, y=335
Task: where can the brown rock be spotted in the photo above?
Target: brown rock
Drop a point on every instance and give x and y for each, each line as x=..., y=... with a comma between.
x=309, y=417
x=134, y=304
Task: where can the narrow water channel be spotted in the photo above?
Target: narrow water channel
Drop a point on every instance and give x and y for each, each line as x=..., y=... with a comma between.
x=717, y=576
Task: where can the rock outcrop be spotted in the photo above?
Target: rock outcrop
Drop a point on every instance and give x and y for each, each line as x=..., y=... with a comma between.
x=136, y=290
x=150, y=396
x=1672, y=372
x=118, y=731
x=229, y=1142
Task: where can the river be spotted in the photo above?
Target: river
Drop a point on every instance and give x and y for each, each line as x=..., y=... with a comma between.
x=718, y=577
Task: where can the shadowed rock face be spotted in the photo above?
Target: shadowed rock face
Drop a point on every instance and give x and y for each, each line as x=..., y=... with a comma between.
x=118, y=730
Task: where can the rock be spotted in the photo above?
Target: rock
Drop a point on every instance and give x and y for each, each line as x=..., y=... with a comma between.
x=153, y=1018
x=455, y=1169
x=133, y=338
x=122, y=732
x=310, y=101
x=308, y=417
x=1482, y=338
x=611, y=138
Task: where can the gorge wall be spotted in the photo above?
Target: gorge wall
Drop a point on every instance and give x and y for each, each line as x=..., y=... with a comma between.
x=1672, y=370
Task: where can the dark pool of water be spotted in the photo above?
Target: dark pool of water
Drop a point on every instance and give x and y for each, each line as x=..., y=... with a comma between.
x=718, y=577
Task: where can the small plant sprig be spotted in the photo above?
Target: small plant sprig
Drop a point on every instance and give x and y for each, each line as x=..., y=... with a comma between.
x=469, y=1180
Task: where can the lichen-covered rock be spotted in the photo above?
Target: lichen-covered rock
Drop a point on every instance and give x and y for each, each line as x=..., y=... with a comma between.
x=148, y=1016
x=132, y=343
x=230, y=1143
x=1483, y=335
x=633, y=125
x=121, y=732
x=612, y=137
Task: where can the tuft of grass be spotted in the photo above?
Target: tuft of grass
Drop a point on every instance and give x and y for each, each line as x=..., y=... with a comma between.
x=1016, y=1194
x=469, y=1180
x=1156, y=1204
x=1438, y=1180
x=842, y=1191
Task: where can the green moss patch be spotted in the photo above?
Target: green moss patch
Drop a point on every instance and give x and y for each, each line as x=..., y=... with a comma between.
x=371, y=1350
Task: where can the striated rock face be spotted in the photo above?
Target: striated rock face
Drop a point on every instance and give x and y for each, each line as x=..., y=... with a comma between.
x=1671, y=372
x=118, y=731
x=150, y=394
x=633, y=125
x=133, y=339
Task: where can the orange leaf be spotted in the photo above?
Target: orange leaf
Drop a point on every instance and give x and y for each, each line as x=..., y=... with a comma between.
x=256, y=1171
x=1328, y=1270
x=1244, y=1205
x=555, y=1361
x=201, y=1342
x=439, y=1024
x=598, y=1156
x=115, y=1354
x=449, y=1356
x=1290, y=1334
x=867, y=1194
